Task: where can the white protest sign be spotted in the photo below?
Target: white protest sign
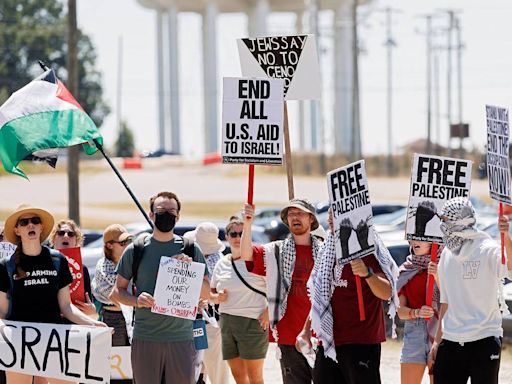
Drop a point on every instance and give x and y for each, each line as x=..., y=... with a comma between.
x=434, y=180
x=6, y=249
x=120, y=363
x=67, y=352
x=349, y=198
x=292, y=58
x=498, y=167
x=177, y=288
x=252, y=121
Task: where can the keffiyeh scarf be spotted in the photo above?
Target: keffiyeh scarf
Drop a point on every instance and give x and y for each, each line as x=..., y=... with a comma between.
x=211, y=261
x=280, y=259
x=327, y=276
x=104, y=280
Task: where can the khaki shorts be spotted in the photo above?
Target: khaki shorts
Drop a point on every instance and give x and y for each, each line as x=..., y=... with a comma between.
x=242, y=337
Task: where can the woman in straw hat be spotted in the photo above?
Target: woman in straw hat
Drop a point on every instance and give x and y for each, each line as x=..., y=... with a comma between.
x=31, y=289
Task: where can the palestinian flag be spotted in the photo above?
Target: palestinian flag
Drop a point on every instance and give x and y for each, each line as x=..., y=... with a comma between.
x=41, y=115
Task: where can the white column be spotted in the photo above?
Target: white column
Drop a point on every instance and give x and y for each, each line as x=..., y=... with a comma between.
x=299, y=27
x=210, y=75
x=343, y=78
x=174, y=90
x=314, y=105
x=258, y=12
x=160, y=80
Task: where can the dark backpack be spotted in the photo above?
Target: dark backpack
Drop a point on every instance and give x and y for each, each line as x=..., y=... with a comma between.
x=11, y=271
x=138, y=252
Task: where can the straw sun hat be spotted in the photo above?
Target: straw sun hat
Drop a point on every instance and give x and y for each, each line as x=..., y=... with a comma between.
x=26, y=209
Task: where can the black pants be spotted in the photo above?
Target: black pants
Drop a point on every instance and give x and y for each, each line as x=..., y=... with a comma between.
x=357, y=364
x=294, y=366
x=478, y=360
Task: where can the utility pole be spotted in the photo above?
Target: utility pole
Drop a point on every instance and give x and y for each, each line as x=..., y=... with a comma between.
x=437, y=101
x=449, y=78
x=119, y=83
x=459, y=83
x=429, y=84
x=390, y=44
x=355, y=148
x=74, y=151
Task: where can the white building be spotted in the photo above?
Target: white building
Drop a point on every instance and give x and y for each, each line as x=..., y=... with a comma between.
x=310, y=121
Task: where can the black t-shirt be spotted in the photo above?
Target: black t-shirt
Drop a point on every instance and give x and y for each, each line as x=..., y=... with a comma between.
x=34, y=297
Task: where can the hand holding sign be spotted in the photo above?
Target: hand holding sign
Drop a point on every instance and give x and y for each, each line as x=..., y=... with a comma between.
x=145, y=300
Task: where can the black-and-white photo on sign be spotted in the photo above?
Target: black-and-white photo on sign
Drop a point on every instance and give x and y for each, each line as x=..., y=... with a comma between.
x=291, y=58
x=498, y=166
x=349, y=198
x=434, y=180
x=252, y=121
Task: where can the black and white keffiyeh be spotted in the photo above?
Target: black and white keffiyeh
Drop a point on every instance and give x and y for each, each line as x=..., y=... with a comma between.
x=279, y=257
x=104, y=280
x=458, y=224
x=327, y=276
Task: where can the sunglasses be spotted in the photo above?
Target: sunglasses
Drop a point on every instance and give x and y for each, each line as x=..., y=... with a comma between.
x=234, y=234
x=122, y=243
x=64, y=233
x=34, y=220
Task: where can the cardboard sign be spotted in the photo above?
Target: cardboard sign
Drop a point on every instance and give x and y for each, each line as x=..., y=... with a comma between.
x=292, y=58
x=120, y=363
x=252, y=121
x=76, y=288
x=352, y=212
x=434, y=180
x=498, y=166
x=6, y=249
x=67, y=352
x=177, y=288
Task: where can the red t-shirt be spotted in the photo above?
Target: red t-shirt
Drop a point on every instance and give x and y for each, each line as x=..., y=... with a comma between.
x=348, y=329
x=298, y=304
x=415, y=291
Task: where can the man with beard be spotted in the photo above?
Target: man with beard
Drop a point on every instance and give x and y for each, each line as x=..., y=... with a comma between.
x=163, y=348
x=287, y=265
x=469, y=337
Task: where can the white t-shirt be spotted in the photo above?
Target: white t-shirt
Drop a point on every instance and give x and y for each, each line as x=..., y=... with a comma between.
x=469, y=284
x=241, y=301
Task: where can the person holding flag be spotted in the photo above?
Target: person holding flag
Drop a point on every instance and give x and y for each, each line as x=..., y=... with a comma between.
x=469, y=337
x=287, y=265
x=350, y=348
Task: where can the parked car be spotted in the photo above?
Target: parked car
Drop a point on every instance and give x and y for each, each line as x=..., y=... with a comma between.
x=507, y=319
x=91, y=235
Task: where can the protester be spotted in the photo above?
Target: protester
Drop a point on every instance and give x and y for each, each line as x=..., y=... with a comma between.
x=206, y=235
x=66, y=234
x=351, y=347
x=287, y=265
x=469, y=337
x=420, y=320
x=39, y=300
x=244, y=314
x=163, y=347
x=115, y=240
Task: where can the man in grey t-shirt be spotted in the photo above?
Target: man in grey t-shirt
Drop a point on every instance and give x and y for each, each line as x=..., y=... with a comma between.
x=163, y=348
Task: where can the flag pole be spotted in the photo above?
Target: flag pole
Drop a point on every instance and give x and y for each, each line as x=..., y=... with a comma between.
x=100, y=148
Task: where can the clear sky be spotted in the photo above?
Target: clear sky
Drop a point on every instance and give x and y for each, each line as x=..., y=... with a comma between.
x=486, y=31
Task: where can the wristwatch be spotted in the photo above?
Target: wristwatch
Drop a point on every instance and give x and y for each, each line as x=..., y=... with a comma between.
x=370, y=273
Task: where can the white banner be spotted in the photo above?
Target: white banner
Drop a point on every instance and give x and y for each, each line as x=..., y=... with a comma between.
x=434, y=180
x=352, y=211
x=292, y=58
x=6, y=250
x=498, y=166
x=68, y=352
x=120, y=363
x=252, y=121
x=177, y=288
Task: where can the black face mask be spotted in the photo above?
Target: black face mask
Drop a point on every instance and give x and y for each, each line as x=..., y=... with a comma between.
x=165, y=221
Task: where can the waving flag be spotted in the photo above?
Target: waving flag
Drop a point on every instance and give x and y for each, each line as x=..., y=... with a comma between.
x=41, y=115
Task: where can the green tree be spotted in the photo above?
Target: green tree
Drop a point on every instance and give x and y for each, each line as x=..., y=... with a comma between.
x=32, y=30
x=125, y=144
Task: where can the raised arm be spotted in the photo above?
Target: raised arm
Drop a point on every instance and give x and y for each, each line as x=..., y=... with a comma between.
x=504, y=225
x=246, y=243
